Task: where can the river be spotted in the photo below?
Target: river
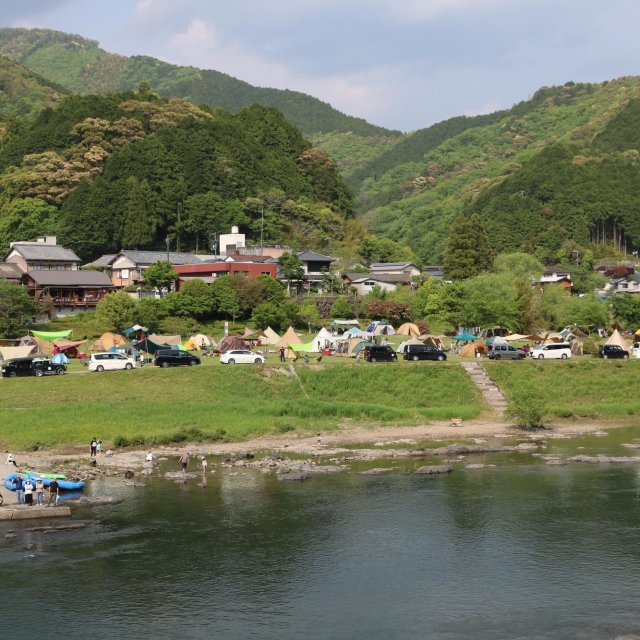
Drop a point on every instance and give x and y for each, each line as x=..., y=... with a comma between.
x=523, y=550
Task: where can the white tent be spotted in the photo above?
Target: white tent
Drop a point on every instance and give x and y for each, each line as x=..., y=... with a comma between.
x=324, y=339
x=16, y=352
x=404, y=343
x=269, y=337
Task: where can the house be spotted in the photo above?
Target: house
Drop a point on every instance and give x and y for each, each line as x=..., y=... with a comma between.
x=555, y=275
x=315, y=265
x=433, y=271
x=128, y=265
x=395, y=268
x=10, y=272
x=210, y=270
x=70, y=291
x=45, y=254
x=231, y=242
x=364, y=283
x=624, y=285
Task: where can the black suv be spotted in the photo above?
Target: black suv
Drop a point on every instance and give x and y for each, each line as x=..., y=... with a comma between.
x=174, y=358
x=423, y=352
x=31, y=367
x=612, y=351
x=378, y=353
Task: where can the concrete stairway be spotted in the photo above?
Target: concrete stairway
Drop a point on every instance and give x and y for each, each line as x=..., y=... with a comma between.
x=490, y=390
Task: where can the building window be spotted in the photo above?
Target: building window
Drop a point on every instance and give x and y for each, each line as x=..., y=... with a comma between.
x=124, y=273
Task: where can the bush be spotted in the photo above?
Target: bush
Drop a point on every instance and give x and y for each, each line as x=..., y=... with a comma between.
x=590, y=347
x=526, y=409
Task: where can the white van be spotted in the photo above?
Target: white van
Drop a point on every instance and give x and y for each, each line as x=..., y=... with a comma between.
x=109, y=361
x=560, y=351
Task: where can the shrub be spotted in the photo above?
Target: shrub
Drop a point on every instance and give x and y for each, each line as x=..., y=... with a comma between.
x=526, y=409
x=590, y=347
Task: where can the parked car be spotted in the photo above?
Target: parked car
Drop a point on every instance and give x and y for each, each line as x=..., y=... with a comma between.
x=378, y=353
x=561, y=350
x=174, y=358
x=110, y=361
x=612, y=351
x=31, y=367
x=423, y=352
x=241, y=356
x=506, y=352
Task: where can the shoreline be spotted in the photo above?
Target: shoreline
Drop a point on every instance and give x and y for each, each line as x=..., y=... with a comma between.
x=332, y=443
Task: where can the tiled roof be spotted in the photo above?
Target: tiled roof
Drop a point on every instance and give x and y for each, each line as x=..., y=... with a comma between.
x=381, y=266
x=44, y=251
x=77, y=278
x=391, y=278
x=151, y=257
x=102, y=261
x=312, y=256
x=10, y=271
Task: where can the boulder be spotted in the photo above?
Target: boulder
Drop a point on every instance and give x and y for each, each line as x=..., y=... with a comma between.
x=434, y=469
x=294, y=476
x=526, y=446
x=375, y=472
x=94, y=501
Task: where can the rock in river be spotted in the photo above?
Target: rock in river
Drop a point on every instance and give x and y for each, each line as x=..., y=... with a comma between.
x=434, y=469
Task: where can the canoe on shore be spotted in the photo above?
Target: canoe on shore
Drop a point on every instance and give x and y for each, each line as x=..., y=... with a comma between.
x=63, y=483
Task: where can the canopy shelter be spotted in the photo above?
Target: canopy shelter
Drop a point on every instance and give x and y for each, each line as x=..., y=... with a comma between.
x=148, y=345
x=50, y=336
x=125, y=347
x=106, y=341
x=464, y=337
x=135, y=329
x=158, y=339
x=617, y=339
x=69, y=347
x=344, y=323
x=307, y=347
x=408, y=329
x=516, y=337
x=495, y=340
x=269, y=337
x=17, y=352
x=289, y=338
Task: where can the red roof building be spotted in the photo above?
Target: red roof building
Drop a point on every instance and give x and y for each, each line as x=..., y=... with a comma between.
x=209, y=271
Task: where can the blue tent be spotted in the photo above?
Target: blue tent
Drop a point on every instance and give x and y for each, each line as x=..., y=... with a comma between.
x=464, y=336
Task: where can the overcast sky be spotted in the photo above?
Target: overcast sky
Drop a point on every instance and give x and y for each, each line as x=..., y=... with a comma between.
x=402, y=64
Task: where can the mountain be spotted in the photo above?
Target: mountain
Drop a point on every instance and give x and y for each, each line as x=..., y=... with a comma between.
x=23, y=92
x=81, y=66
x=560, y=166
x=129, y=169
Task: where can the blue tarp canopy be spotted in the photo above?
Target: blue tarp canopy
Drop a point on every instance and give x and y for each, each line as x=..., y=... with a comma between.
x=464, y=336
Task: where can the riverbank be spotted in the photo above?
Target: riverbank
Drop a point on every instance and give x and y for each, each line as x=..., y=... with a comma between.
x=369, y=441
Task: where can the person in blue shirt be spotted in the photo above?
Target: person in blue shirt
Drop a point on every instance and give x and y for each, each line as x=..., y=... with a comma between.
x=19, y=489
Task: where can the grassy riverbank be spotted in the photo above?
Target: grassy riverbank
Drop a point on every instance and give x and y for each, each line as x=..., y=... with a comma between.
x=580, y=388
x=216, y=402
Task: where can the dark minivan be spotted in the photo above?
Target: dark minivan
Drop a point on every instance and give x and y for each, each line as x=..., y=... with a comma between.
x=31, y=367
x=423, y=352
x=378, y=353
x=174, y=358
x=613, y=351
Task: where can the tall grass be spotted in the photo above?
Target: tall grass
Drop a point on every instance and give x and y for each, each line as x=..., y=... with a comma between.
x=214, y=402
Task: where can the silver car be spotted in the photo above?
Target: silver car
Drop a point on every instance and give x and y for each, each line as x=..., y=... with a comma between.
x=241, y=356
x=506, y=352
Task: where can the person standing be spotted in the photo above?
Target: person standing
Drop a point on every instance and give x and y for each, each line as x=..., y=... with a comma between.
x=94, y=447
x=184, y=461
x=282, y=358
x=53, y=493
x=141, y=359
x=39, y=492
x=28, y=492
x=203, y=465
x=98, y=447
x=19, y=489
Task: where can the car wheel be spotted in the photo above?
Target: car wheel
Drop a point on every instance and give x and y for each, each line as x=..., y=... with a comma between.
x=192, y=363
x=99, y=368
x=605, y=357
x=373, y=360
x=13, y=374
x=231, y=361
x=415, y=358
x=59, y=372
x=440, y=358
x=625, y=357
x=39, y=373
x=497, y=356
x=164, y=365
x=128, y=366
x=563, y=356
x=258, y=360
x=540, y=357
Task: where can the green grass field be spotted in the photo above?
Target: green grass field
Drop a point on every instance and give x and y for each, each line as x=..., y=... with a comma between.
x=583, y=387
x=215, y=401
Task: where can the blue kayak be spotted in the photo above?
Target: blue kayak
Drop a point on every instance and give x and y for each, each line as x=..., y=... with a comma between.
x=63, y=483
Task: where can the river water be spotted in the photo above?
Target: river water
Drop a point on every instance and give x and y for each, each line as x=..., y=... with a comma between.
x=523, y=550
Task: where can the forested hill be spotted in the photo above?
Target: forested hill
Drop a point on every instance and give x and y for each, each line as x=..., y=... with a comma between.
x=128, y=170
x=23, y=92
x=563, y=166
x=81, y=66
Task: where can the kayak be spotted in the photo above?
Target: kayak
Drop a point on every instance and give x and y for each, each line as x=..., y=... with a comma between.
x=63, y=483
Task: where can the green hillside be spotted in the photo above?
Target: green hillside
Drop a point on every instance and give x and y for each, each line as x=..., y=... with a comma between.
x=83, y=67
x=126, y=170
x=24, y=93
x=569, y=154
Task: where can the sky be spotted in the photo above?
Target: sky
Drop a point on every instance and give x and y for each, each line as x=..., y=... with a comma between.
x=401, y=64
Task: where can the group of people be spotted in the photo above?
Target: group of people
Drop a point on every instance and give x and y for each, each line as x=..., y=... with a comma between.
x=25, y=490
x=95, y=447
x=184, y=461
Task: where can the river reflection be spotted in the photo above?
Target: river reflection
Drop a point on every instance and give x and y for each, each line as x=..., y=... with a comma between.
x=520, y=551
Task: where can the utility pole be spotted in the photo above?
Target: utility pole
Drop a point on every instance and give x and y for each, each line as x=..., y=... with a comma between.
x=262, y=229
x=168, y=241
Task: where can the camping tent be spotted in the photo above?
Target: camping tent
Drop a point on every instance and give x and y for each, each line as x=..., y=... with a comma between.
x=381, y=328
x=495, y=340
x=270, y=337
x=16, y=352
x=69, y=347
x=352, y=333
x=360, y=346
x=469, y=350
x=344, y=323
x=408, y=329
x=433, y=341
x=106, y=341
x=290, y=337
x=617, y=339
x=404, y=343
x=150, y=346
x=324, y=339
x=230, y=342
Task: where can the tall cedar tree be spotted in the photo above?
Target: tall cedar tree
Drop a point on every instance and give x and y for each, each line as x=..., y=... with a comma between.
x=467, y=252
x=141, y=221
